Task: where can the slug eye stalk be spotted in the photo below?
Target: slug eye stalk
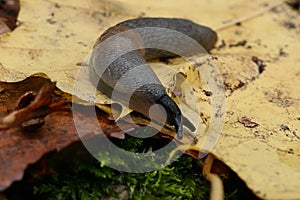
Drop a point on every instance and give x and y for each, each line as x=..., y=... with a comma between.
x=174, y=116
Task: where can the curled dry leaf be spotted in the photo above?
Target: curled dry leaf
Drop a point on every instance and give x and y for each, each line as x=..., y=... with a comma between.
x=30, y=106
x=19, y=147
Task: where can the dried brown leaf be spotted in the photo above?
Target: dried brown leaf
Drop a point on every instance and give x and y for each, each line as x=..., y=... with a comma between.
x=19, y=147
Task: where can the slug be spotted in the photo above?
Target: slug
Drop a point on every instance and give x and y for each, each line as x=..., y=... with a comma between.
x=128, y=78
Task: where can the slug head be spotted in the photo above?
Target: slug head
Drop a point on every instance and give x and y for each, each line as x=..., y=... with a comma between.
x=174, y=116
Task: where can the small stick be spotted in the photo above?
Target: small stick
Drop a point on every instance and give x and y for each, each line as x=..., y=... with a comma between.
x=250, y=16
x=217, y=190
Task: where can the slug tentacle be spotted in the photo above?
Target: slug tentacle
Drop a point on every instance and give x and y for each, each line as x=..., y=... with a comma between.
x=174, y=116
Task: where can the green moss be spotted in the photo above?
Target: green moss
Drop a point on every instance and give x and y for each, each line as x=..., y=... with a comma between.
x=90, y=179
x=75, y=174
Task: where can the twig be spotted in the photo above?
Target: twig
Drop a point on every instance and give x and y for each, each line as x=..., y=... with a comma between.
x=250, y=16
x=217, y=190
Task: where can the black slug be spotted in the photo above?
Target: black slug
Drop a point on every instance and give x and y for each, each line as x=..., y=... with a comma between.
x=119, y=69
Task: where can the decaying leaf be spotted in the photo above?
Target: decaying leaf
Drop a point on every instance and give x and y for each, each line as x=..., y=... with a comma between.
x=247, y=122
x=30, y=106
x=19, y=147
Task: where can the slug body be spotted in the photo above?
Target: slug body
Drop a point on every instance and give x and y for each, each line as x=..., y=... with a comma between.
x=118, y=63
